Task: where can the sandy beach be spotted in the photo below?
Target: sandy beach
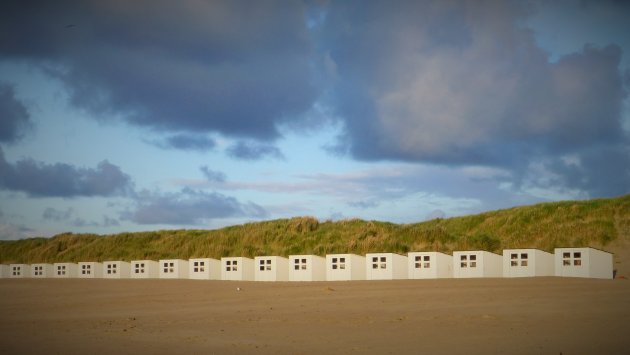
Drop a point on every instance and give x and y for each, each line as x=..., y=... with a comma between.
x=482, y=316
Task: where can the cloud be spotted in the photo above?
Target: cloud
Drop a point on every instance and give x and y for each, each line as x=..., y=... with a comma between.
x=188, y=142
x=213, y=175
x=466, y=84
x=239, y=68
x=10, y=231
x=14, y=117
x=53, y=214
x=38, y=179
x=254, y=151
x=188, y=207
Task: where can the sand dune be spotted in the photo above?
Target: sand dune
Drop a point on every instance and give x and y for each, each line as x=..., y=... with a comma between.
x=520, y=316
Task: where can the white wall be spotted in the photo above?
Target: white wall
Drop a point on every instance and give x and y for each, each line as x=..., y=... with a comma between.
x=90, y=270
x=237, y=269
x=116, y=270
x=65, y=270
x=345, y=267
x=471, y=264
x=527, y=263
x=385, y=266
x=271, y=268
x=4, y=271
x=19, y=271
x=40, y=271
x=204, y=269
x=583, y=262
x=429, y=265
x=307, y=268
x=173, y=269
x=144, y=269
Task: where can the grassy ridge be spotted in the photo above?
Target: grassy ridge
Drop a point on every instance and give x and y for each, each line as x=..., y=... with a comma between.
x=594, y=223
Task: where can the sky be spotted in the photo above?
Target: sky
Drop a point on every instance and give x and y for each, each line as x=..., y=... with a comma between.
x=147, y=115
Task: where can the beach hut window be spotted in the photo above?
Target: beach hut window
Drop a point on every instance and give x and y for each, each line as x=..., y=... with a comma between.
x=199, y=266
x=339, y=263
x=231, y=265
x=39, y=270
x=139, y=268
x=111, y=269
x=16, y=271
x=300, y=264
x=61, y=270
x=86, y=269
x=265, y=264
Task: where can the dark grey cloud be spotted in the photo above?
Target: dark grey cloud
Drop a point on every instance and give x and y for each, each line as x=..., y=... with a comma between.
x=254, y=151
x=213, y=175
x=14, y=117
x=110, y=222
x=39, y=179
x=466, y=84
x=189, y=142
x=188, y=207
x=235, y=67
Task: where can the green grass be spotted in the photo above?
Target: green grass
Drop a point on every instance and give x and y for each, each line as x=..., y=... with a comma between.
x=595, y=223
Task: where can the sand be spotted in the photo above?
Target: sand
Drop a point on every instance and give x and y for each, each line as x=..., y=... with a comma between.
x=482, y=316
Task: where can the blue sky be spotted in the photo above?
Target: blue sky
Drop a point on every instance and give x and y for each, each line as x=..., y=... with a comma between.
x=126, y=116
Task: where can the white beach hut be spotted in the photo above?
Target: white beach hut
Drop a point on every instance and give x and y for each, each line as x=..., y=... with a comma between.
x=90, y=270
x=144, y=269
x=19, y=271
x=4, y=271
x=173, y=269
x=385, y=266
x=65, y=270
x=470, y=264
x=204, y=269
x=429, y=265
x=41, y=271
x=345, y=267
x=583, y=262
x=116, y=269
x=307, y=268
x=237, y=269
x=527, y=263
x=271, y=268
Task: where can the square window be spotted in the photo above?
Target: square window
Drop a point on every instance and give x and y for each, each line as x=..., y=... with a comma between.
x=427, y=265
x=513, y=256
x=566, y=262
x=269, y=262
x=165, y=270
x=374, y=259
x=374, y=266
x=463, y=264
x=334, y=260
x=228, y=262
x=296, y=261
x=577, y=255
x=383, y=259
x=577, y=262
x=262, y=268
x=334, y=266
x=304, y=261
x=514, y=263
x=234, y=268
x=566, y=255
x=303, y=267
x=268, y=268
x=523, y=262
x=383, y=266
x=473, y=257
x=418, y=258
x=463, y=257
x=418, y=266
x=296, y=267
x=524, y=256
x=342, y=260
x=473, y=264
x=427, y=258
x=342, y=266
x=171, y=264
x=261, y=262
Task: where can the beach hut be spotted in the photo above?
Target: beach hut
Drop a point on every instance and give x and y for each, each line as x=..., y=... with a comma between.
x=271, y=268
x=429, y=265
x=345, y=267
x=116, y=270
x=583, y=262
x=237, y=269
x=173, y=269
x=19, y=271
x=65, y=270
x=41, y=271
x=385, y=266
x=90, y=270
x=307, y=268
x=144, y=269
x=469, y=264
x=4, y=271
x=527, y=263
x=204, y=269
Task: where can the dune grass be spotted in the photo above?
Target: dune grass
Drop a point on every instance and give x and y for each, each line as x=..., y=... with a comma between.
x=546, y=226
